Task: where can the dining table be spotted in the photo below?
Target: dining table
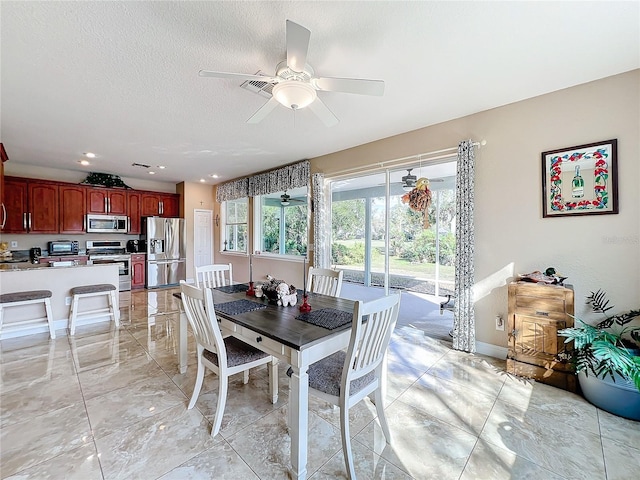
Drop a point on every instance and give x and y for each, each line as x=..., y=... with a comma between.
x=295, y=338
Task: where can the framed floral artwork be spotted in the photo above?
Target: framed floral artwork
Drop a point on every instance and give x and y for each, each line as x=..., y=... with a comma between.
x=581, y=180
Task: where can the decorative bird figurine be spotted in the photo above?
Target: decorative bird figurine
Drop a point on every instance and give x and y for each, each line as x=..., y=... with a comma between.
x=422, y=184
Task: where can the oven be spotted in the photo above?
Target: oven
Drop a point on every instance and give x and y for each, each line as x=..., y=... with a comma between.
x=111, y=251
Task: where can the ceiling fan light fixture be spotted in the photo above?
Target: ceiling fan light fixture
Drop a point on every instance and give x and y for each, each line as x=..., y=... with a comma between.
x=294, y=94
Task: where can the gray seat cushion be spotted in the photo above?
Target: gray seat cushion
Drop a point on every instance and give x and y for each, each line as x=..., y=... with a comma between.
x=238, y=353
x=100, y=287
x=24, y=296
x=326, y=374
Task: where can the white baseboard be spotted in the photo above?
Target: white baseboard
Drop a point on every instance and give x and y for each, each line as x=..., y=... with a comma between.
x=491, y=350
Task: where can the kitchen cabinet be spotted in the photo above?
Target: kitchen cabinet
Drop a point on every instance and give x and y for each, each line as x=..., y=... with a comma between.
x=15, y=201
x=170, y=205
x=72, y=199
x=153, y=204
x=32, y=207
x=43, y=206
x=133, y=199
x=138, y=265
x=3, y=209
x=536, y=313
x=107, y=201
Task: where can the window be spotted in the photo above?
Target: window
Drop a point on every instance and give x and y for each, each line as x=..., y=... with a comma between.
x=281, y=221
x=235, y=225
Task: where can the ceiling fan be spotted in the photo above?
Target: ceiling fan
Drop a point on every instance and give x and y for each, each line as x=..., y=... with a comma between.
x=285, y=199
x=409, y=181
x=295, y=83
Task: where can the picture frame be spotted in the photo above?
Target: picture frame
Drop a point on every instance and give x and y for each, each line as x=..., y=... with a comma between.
x=580, y=180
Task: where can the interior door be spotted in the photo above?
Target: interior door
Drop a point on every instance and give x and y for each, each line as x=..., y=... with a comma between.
x=203, y=237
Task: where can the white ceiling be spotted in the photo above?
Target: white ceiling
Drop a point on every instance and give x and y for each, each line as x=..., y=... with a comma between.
x=121, y=78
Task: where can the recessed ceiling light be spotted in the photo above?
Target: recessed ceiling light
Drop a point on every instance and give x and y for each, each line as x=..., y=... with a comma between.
x=202, y=180
x=152, y=173
x=213, y=175
x=84, y=162
x=90, y=155
x=161, y=167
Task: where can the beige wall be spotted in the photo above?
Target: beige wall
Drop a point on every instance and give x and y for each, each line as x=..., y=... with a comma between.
x=597, y=251
x=194, y=196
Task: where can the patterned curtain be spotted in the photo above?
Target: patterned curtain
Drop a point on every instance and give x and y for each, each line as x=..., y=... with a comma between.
x=281, y=179
x=232, y=190
x=464, y=324
x=321, y=231
x=278, y=180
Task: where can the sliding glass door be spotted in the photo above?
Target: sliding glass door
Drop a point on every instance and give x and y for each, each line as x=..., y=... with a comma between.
x=421, y=242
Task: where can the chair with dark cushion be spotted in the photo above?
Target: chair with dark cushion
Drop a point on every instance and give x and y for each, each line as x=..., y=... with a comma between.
x=346, y=378
x=225, y=357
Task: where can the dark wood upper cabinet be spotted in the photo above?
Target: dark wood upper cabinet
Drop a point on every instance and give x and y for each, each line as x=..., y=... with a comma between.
x=15, y=202
x=150, y=204
x=107, y=201
x=155, y=204
x=43, y=208
x=72, y=217
x=170, y=205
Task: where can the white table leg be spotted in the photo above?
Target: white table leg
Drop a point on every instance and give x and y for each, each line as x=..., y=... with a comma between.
x=182, y=342
x=299, y=427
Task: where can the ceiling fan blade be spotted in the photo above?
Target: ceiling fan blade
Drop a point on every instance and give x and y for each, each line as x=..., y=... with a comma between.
x=263, y=111
x=238, y=76
x=297, y=46
x=323, y=113
x=359, y=86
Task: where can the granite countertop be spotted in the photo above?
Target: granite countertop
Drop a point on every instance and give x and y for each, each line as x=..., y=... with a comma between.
x=21, y=267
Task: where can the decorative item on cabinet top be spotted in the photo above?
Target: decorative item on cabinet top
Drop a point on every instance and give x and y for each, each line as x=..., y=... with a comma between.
x=104, y=179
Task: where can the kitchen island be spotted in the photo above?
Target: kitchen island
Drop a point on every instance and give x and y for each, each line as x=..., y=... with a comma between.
x=18, y=277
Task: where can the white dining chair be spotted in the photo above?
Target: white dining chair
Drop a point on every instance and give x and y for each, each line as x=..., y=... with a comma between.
x=212, y=276
x=325, y=281
x=225, y=357
x=346, y=378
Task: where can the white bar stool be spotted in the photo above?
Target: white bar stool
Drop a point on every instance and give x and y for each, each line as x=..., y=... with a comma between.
x=30, y=297
x=87, y=291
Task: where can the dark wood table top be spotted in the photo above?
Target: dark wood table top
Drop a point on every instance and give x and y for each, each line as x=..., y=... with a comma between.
x=280, y=323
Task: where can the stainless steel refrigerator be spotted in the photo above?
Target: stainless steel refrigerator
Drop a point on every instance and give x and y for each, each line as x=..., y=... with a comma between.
x=166, y=251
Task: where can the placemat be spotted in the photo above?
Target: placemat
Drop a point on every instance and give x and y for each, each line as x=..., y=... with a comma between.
x=240, y=287
x=328, y=318
x=238, y=306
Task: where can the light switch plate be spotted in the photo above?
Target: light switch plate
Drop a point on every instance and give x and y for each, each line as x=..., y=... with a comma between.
x=14, y=244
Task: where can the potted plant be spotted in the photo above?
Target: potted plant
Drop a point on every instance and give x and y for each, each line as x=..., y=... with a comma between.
x=607, y=358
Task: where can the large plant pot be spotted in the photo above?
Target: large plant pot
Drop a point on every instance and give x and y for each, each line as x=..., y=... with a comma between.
x=621, y=398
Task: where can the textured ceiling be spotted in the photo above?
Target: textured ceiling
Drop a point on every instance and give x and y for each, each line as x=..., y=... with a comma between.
x=121, y=78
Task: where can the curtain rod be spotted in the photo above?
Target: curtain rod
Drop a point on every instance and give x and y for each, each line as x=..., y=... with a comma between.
x=399, y=162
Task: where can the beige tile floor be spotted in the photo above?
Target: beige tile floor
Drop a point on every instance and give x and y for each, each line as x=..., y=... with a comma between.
x=110, y=404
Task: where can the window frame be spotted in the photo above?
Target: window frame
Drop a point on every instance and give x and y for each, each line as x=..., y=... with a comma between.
x=225, y=224
x=258, y=228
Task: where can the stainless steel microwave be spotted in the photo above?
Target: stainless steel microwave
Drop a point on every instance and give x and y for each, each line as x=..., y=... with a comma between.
x=107, y=223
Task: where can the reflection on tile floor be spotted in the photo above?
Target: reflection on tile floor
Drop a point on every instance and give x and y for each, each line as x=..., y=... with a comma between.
x=111, y=404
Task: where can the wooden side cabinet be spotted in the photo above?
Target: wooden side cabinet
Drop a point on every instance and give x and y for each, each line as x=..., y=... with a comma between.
x=138, y=261
x=536, y=313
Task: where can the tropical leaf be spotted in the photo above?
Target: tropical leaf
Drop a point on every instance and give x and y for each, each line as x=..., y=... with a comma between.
x=599, y=302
